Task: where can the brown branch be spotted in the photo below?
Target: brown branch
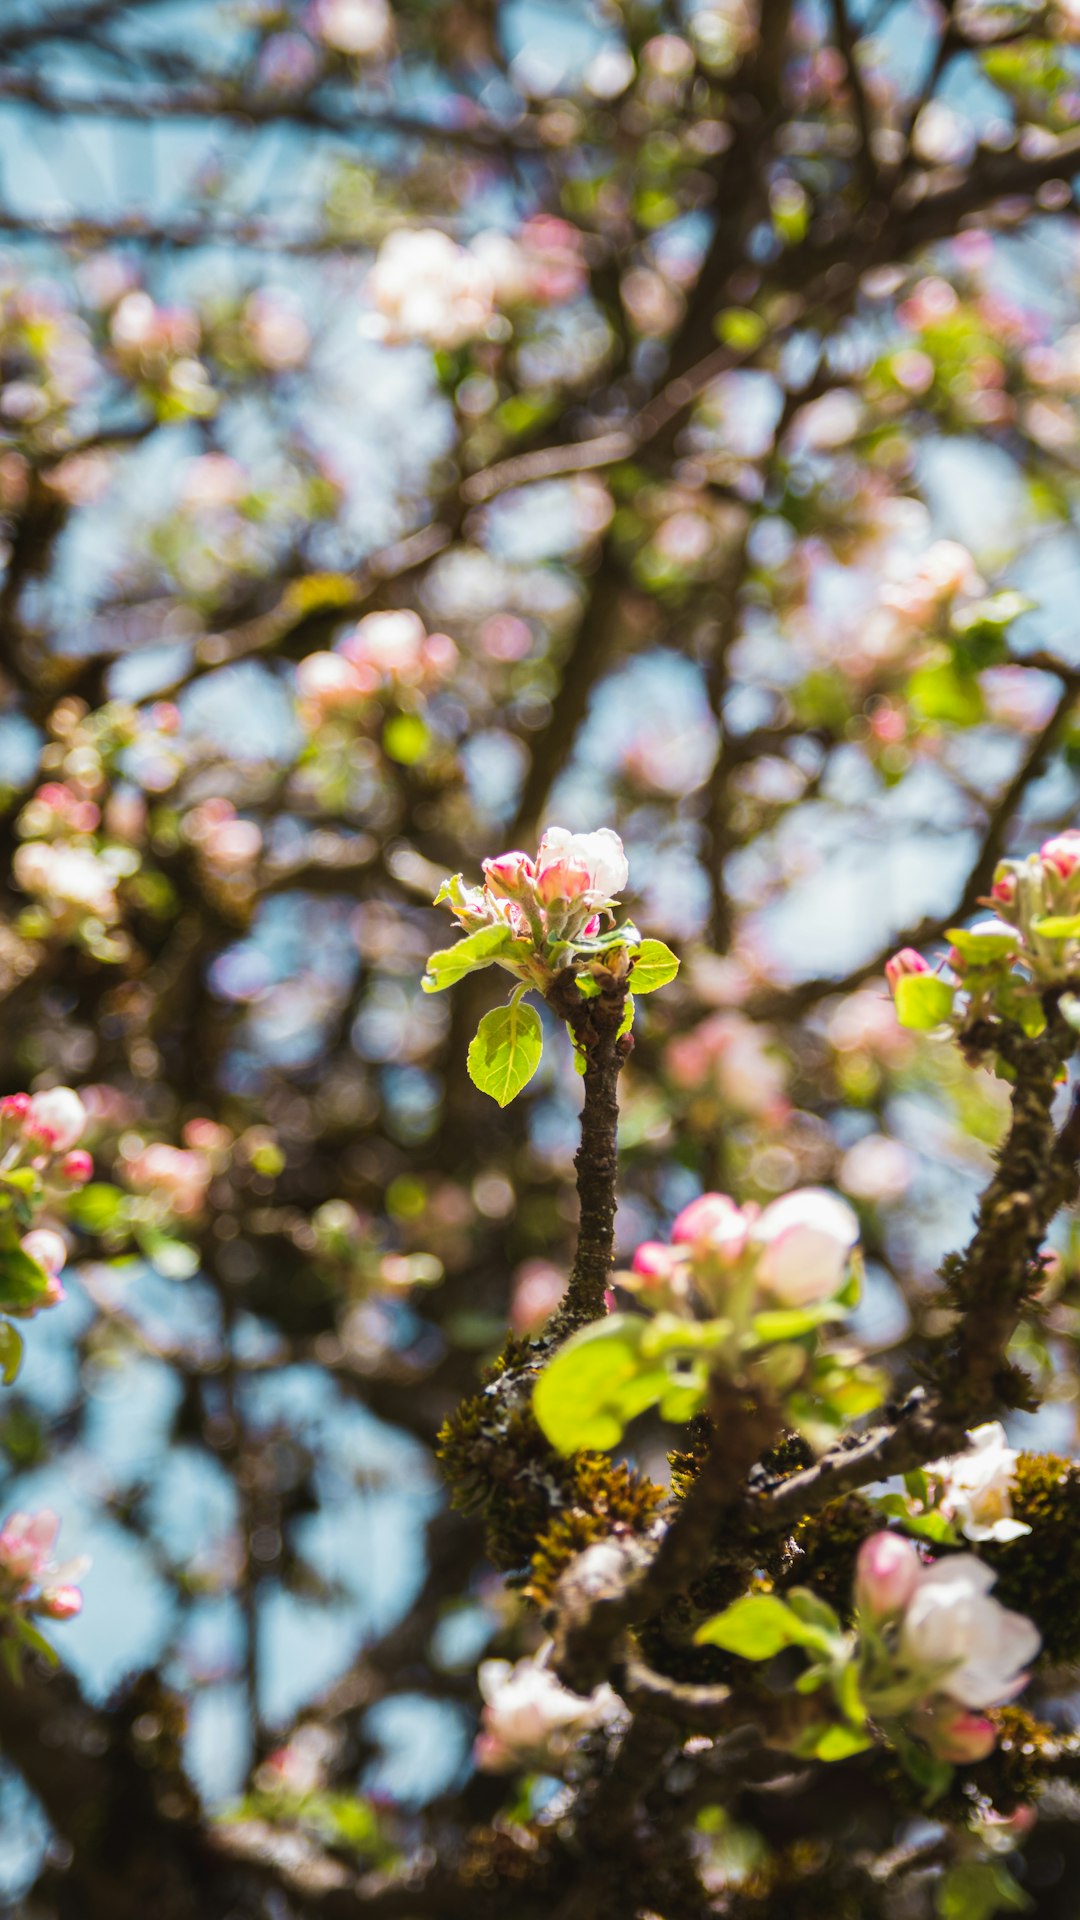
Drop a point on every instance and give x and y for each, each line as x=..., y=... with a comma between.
x=594, y=1025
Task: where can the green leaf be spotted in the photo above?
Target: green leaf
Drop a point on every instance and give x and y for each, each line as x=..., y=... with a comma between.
x=1059, y=926
x=406, y=739
x=923, y=1001
x=597, y=1382
x=627, y=1020
x=173, y=1259
x=451, y=964
x=832, y=1743
x=813, y=1611
x=98, y=1207
x=945, y=692
x=11, y=1351
x=654, y=967
x=756, y=1627
x=626, y=935
x=30, y=1637
x=790, y=1323
x=983, y=948
x=22, y=1282
x=505, y=1052
x=978, y=1889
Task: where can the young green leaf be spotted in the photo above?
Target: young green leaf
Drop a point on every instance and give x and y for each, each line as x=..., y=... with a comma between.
x=505, y=1052
x=832, y=1743
x=923, y=1001
x=98, y=1208
x=1059, y=926
x=982, y=949
x=654, y=967
x=979, y=1889
x=22, y=1282
x=598, y=1381
x=756, y=1627
x=451, y=964
x=173, y=1259
x=11, y=1351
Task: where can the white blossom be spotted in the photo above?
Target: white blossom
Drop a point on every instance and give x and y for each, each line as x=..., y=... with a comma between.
x=529, y=1715
x=805, y=1239
x=970, y=1646
x=977, y=1486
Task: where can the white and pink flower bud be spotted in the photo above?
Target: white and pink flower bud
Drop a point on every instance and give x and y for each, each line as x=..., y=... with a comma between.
x=326, y=683
x=60, y=1603
x=77, y=1167
x=15, y=1111
x=959, y=1737
x=1062, y=853
x=26, y=1542
x=805, y=1241
x=562, y=881
x=1004, y=888
x=588, y=867
x=510, y=873
x=887, y=1572
x=47, y=1249
x=655, y=1263
x=58, y=1117
x=907, y=961
x=970, y=1647
x=713, y=1225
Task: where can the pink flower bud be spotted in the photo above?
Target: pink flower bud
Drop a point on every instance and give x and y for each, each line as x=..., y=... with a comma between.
x=562, y=880
x=14, y=1107
x=509, y=873
x=654, y=1261
x=886, y=1574
x=959, y=1737
x=26, y=1541
x=78, y=1167
x=46, y=1248
x=59, y=1116
x=1062, y=853
x=61, y=1603
x=905, y=962
x=1004, y=887
x=713, y=1224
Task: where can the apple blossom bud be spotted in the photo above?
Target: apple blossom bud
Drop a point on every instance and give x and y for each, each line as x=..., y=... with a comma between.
x=887, y=1573
x=957, y=1736
x=654, y=1261
x=59, y=1116
x=47, y=1248
x=509, y=873
x=61, y=1603
x=1004, y=887
x=905, y=962
x=26, y=1541
x=78, y=1167
x=713, y=1224
x=562, y=880
x=1062, y=853
x=14, y=1108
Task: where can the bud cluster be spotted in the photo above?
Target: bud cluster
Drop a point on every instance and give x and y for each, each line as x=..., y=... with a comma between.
x=41, y=1165
x=1003, y=965
x=934, y=1648
x=561, y=896
x=794, y=1253
x=530, y=1719
x=384, y=650
x=29, y=1582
